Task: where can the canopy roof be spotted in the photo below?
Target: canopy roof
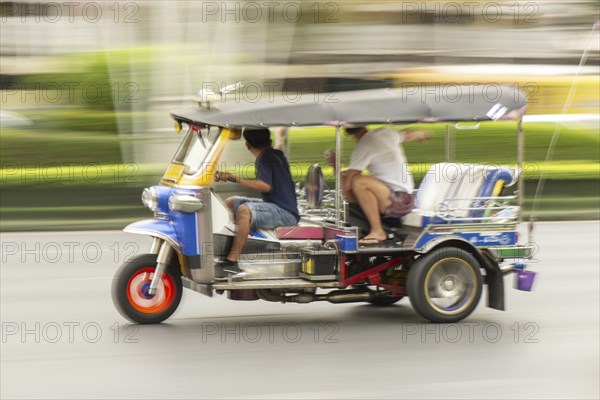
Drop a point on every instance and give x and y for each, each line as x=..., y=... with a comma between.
x=416, y=104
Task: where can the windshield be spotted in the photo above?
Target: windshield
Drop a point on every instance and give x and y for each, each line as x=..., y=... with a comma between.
x=194, y=148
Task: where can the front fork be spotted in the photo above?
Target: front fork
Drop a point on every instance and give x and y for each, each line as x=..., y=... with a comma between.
x=164, y=251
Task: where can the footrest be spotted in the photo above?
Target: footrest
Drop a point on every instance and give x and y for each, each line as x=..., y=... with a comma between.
x=273, y=284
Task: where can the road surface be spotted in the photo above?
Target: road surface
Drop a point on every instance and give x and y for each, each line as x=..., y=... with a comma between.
x=62, y=337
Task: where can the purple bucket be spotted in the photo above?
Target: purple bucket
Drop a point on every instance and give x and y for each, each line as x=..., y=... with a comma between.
x=524, y=280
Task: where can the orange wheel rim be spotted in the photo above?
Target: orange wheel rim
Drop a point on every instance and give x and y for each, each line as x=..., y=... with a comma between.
x=139, y=283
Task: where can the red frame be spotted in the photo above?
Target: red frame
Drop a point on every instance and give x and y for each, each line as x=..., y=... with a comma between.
x=372, y=274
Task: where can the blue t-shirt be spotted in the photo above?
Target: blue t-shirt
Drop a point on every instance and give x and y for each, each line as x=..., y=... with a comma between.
x=273, y=168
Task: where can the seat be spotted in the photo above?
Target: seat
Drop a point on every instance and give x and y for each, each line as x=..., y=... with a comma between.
x=314, y=191
x=435, y=187
x=452, y=192
x=299, y=232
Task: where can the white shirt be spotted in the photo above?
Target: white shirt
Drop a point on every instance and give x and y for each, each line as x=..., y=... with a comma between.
x=380, y=152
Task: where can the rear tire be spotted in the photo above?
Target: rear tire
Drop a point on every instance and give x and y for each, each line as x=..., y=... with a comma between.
x=445, y=285
x=129, y=291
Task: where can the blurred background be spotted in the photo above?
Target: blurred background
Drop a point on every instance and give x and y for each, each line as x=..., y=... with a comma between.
x=86, y=89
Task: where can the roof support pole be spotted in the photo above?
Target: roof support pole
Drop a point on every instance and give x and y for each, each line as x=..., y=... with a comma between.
x=521, y=182
x=339, y=217
x=448, y=144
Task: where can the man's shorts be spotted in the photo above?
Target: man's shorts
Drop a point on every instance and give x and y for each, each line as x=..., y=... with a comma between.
x=402, y=204
x=265, y=215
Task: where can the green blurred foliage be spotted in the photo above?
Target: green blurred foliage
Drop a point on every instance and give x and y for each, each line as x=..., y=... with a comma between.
x=74, y=136
x=30, y=148
x=96, y=93
x=86, y=86
x=493, y=142
x=100, y=80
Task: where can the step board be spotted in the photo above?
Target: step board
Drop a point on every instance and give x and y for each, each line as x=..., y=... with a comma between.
x=273, y=284
x=271, y=268
x=384, y=247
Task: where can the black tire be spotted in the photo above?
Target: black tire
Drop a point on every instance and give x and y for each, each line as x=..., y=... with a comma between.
x=385, y=301
x=129, y=283
x=445, y=285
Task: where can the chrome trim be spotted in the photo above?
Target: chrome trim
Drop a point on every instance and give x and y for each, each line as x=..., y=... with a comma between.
x=507, y=269
x=339, y=220
x=204, y=233
x=274, y=284
x=162, y=261
x=185, y=203
x=161, y=216
x=271, y=269
x=155, y=247
x=520, y=181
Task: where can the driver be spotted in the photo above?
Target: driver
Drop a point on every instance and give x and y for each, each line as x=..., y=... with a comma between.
x=387, y=190
x=278, y=206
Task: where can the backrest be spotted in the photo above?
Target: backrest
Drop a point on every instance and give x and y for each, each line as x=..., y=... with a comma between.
x=454, y=188
x=436, y=185
x=496, y=179
x=475, y=182
x=467, y=188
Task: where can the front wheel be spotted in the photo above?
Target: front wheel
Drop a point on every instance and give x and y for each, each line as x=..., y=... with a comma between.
x=445, y=285
x=130, y=291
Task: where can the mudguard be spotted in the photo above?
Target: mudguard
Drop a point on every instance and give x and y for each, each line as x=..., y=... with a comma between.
x=155, y=228
x=493, y=277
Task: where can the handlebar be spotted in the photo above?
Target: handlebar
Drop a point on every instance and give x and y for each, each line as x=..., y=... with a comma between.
x=218, y=178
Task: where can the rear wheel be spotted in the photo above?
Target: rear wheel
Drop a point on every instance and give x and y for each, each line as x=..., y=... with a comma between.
x=130, y=291
x=445, y=285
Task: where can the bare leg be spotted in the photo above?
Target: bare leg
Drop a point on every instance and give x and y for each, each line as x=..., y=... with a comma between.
x=243, y=220
x=348, y=193
x=373, y=198
x=230, y=202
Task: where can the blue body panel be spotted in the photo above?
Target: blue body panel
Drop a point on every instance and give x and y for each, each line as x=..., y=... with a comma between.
x=478, y=239
x=163, y=193
x=180, y=228
x=186, y=226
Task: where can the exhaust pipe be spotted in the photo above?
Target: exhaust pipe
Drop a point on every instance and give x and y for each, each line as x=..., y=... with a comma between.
x=336, y=297
x=342, y=296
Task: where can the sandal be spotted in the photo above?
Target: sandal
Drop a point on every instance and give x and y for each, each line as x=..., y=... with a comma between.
x=371, y=241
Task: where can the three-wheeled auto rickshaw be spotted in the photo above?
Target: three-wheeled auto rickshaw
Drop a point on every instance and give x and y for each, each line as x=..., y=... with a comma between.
x=462, y=234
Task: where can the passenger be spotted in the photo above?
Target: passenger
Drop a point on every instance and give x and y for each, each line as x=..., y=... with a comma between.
x=278, y=206
x=281, y=140
x=387, y=190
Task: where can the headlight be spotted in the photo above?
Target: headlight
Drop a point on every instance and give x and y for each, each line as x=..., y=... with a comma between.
x=150, y=199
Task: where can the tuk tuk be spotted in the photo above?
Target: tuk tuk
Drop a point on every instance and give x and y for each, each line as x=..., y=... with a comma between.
x=462, y=234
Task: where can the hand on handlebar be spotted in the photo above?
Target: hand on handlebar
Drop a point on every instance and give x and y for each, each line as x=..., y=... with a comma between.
x=225, y=177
